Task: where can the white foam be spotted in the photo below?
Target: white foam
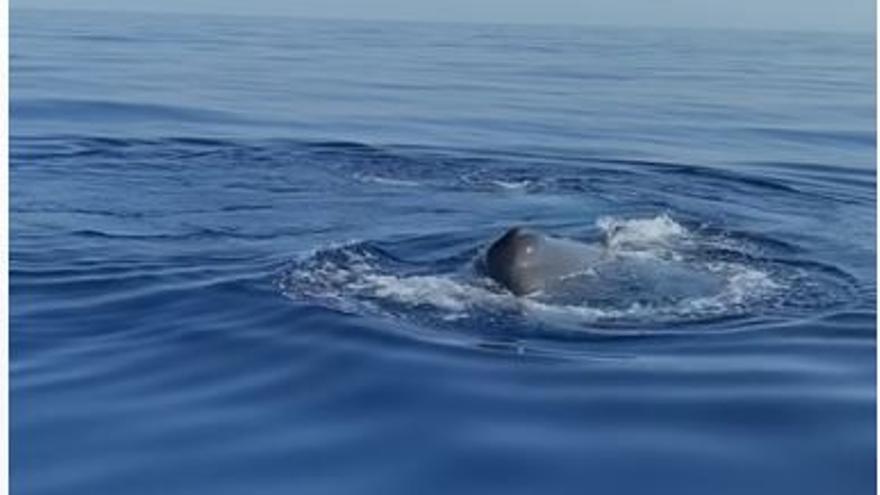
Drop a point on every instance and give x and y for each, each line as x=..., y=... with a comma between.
x=355, y=279
x=386, y=181
x=350, y=278
x=744, y=284
x=512, y=186
x=641, y=232
x=740, y=291
x=441, y=292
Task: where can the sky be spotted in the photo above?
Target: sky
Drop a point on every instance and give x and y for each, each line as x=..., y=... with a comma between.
x=825, y=15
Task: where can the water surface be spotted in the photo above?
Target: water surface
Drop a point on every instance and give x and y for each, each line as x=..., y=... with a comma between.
x=245, y=258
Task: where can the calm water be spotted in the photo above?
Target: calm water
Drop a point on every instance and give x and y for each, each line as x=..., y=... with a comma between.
x=246, y=258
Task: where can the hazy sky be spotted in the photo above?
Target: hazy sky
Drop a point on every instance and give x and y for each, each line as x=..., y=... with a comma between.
x=835, y=15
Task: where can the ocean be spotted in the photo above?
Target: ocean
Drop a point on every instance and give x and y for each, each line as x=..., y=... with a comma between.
x=246, y=257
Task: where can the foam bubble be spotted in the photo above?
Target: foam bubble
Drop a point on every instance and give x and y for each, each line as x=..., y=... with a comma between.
x=742, y=287
x=348, y=277
x=660, y=272
x=641, y=232
x=386, y=181
x=513, y=185
x=440, y=292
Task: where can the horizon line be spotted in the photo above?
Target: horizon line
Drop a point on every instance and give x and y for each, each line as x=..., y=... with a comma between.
x=406, y=20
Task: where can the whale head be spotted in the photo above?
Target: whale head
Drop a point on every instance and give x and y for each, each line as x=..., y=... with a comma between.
x=514, y=260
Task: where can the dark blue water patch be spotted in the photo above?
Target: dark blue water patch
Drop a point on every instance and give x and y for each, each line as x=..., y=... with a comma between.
x=851, y=137
x=114, y=39
x=112, y=111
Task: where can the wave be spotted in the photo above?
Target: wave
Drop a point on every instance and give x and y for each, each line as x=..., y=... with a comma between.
x=663, y=272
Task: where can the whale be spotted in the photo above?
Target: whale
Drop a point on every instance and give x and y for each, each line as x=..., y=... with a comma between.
x=525, y=261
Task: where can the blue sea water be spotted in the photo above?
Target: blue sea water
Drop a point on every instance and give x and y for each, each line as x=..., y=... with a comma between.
x=245, y=258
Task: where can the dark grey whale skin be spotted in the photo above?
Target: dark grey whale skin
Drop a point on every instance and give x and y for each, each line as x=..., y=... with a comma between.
x=525, y=261
x=506, y=257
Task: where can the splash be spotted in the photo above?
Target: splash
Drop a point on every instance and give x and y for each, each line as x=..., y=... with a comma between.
x=661, y=230
x=357, y=278
x=361, y=278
